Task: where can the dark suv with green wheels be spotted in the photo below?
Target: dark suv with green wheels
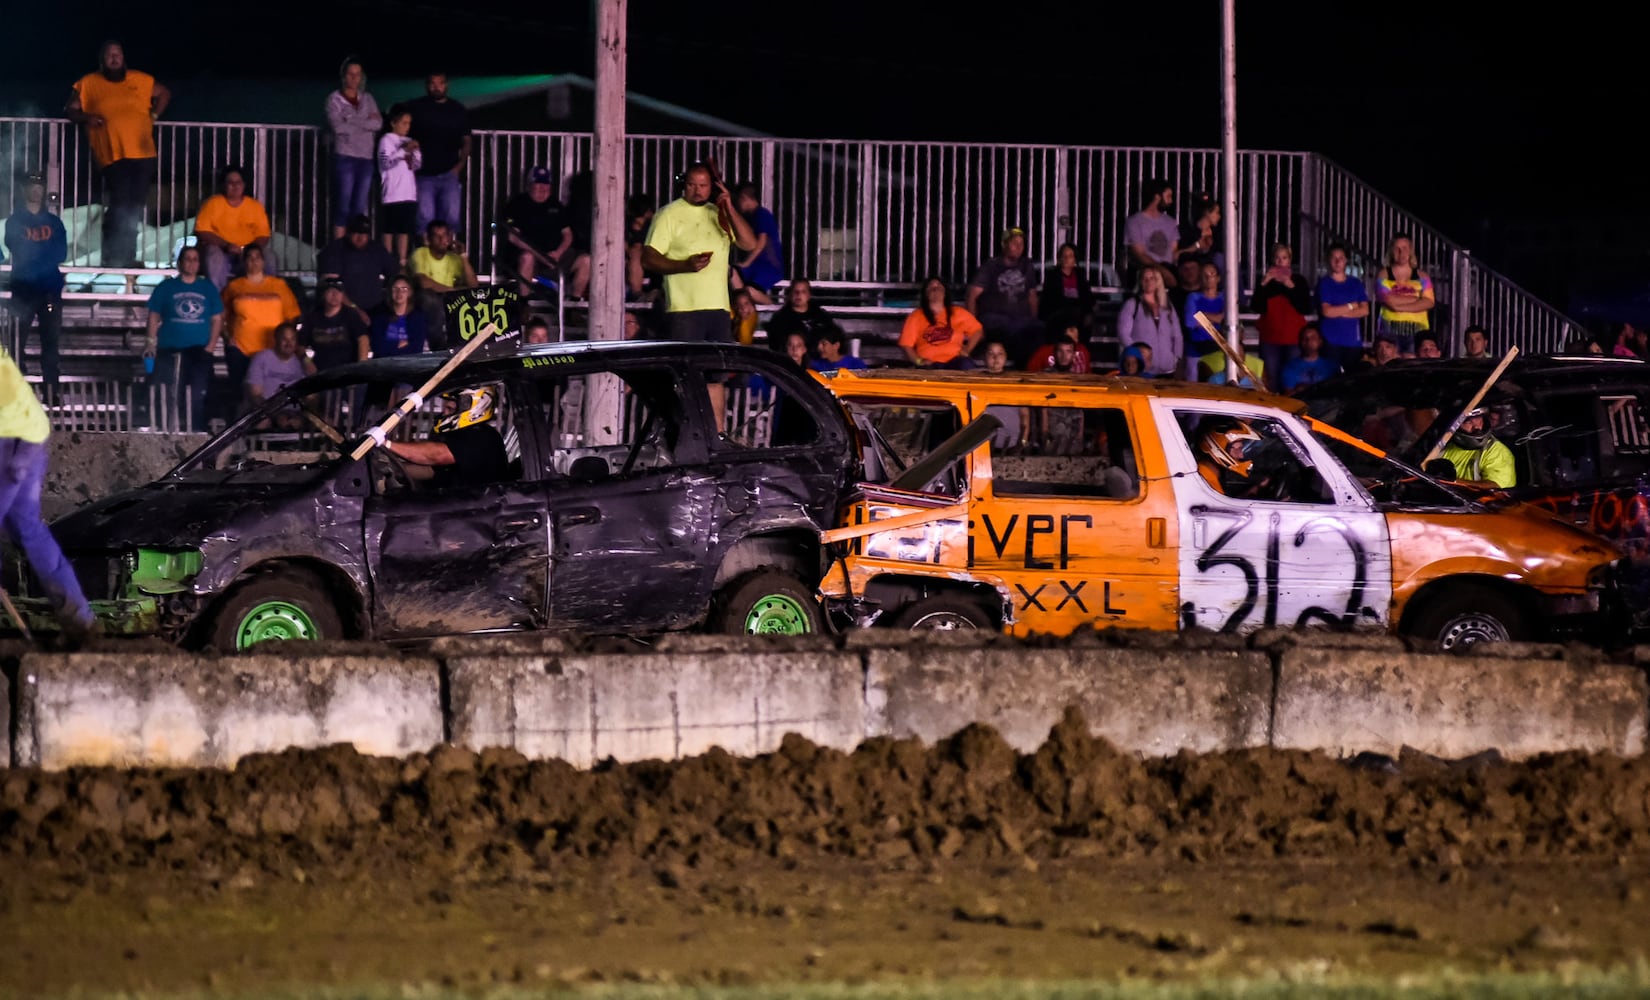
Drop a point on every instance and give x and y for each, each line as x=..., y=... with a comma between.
x=625, y=506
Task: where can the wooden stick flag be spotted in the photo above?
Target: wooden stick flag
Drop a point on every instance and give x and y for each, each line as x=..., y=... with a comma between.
x=378, y=435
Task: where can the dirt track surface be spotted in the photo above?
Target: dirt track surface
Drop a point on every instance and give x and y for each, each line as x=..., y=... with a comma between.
x=959, y=859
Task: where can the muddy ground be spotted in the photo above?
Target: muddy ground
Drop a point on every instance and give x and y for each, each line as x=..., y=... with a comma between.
x=962, y=859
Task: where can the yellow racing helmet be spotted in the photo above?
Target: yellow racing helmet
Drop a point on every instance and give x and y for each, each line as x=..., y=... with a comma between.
x=1228, y=443
x=475, y=406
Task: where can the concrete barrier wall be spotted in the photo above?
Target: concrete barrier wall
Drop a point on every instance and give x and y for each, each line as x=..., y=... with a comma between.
x=1155, y=698
x=585, y=702
x=163, y=709
x=1521, y=701
x=82, y=466
x=689, y=694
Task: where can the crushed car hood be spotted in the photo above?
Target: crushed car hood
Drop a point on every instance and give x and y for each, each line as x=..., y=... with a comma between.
x=174, y=514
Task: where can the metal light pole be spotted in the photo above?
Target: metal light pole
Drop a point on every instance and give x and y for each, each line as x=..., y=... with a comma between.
x=1229, y=179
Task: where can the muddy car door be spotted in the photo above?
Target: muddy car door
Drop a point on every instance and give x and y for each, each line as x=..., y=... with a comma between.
x=1273, y=531
x=451, y=555
x=629, y=500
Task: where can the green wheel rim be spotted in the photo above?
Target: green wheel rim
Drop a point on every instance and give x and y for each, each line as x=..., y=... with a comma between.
x=274, y=620
x=778, y=614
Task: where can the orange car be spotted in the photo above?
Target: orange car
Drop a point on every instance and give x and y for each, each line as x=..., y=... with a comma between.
x=1048, y=503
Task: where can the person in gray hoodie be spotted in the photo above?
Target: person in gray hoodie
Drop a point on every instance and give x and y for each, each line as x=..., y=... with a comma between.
x=353, y=117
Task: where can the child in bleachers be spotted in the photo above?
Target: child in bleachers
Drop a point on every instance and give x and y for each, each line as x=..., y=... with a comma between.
x=398, y=160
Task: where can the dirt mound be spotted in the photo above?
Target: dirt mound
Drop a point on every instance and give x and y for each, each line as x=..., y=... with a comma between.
x=970, y=796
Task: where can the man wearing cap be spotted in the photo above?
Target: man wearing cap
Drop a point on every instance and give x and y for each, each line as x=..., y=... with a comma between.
x=688, y=244
x=441, y=127
x=1478, y=456
x=1003, y=295
x=360, y=264
x=37, y=244
x=119, y=107
x=334, y=333
x=23, y=432
x=539, y=232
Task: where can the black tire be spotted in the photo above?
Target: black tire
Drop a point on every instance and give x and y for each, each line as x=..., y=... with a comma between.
x=767, y=602
x=286, y=603
x=946, y=613
x=1470, y=615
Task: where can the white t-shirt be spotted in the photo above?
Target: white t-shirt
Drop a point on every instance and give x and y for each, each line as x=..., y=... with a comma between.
x=396, y=181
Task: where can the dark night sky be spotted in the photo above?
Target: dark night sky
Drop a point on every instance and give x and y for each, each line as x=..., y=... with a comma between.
x=1468, y=113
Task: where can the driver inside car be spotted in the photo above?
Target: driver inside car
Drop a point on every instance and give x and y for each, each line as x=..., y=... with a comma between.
x=466, y=448
x=1227, y=457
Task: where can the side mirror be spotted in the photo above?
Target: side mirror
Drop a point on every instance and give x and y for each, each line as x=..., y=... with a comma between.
x=1441, y=468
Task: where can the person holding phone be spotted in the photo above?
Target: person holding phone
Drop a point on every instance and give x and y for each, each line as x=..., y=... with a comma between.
x=688, y=246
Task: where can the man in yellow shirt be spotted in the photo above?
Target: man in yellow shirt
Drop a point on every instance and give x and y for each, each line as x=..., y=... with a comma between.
x=438, y=268
x=119, y=107
x=228, y=223
x=688, y=243
x=23, y=432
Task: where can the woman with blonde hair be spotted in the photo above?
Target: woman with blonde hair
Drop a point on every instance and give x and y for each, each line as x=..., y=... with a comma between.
x=1148, y=317
x=1405, y=295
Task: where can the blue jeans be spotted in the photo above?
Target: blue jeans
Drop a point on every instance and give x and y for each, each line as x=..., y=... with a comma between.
x=351, y=186
x=441, y=197
x=191, y=368
x=22, y=473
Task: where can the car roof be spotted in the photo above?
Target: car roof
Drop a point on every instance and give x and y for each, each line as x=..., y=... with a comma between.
x=843, y=381
x=1526, y=371
x=417, y=368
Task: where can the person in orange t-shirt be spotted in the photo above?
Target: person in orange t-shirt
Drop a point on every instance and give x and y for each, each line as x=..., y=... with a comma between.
x=255, y=304
x=118, y=107
x=228, y=222
x=939, y=334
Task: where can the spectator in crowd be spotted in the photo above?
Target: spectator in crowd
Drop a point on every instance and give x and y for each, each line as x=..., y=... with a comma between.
x=1478, y=456
x=397, y=327
x=1283, y=301
x=1405, y=294
x=38, y=245
x=1619, y=338
x=1061, y=427
x=185, y=326
x=539, y=233
x=828, y=348
x=1218, y=374
x=688, y=244
x=1068, y=290
x=24, y=428
x=1014, y=436
x=1309, y=367
x=255, y=304
x=1582, y=346
x=635, y=326
x=352, y=116
x=763, y=267
x=441, y=127
x=398, y=162
x=1149, y=318
x=580, y=210
x=638, y=215
x=119, y=107
x=439, y=269
x=536, y=331
x=1188, y=278
x=272, y=370
x=229, y=222
x=1135, y=360
x=1151, y=235
x=1343, y=302
x=334, y=332
x=745, y=317
x=800, y=313
x=1061, y=332
x=937, y=333
x=1475, y=342
x=1426, y=347
x=361, y=265
x=1003, y=295
x=1201, y=349
x=1385, y=350
x=1201, y=236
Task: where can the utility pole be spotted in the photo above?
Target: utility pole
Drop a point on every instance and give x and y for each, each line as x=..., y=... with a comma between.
x=1229, y=180
x=604, y=397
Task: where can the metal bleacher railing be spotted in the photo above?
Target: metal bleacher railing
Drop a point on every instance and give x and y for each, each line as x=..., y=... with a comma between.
x=866, y=220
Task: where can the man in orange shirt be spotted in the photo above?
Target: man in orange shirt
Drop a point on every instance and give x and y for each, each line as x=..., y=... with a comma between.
x=228, y=223
x=119, y=106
